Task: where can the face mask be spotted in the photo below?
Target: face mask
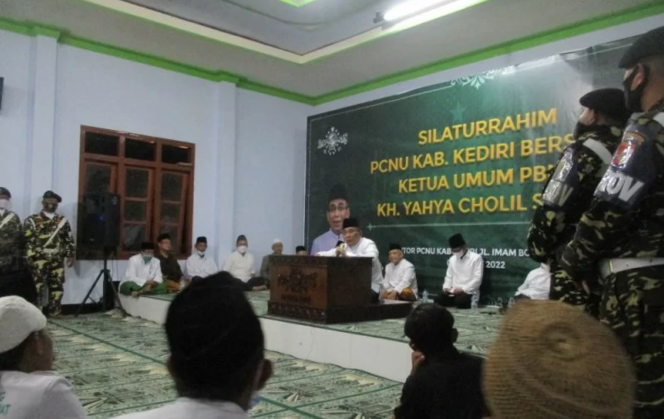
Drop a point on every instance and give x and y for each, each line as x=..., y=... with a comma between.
x=201, y=254
x=147, y=259
x=633, y=97
x=242, y=249
x=4, y=203
x=458, y=254
x=50, y=208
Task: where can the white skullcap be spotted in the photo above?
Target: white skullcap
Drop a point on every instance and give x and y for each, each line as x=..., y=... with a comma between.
x=18, y=319
x=277, y=241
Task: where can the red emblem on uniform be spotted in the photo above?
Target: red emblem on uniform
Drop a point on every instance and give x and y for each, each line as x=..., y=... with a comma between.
x=627, y=148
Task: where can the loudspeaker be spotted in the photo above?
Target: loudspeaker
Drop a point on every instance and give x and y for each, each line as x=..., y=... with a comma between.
x=101, y=220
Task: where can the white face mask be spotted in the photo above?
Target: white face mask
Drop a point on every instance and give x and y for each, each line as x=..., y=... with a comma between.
x=4, y=203
x=242, y=249
x=458, y=254
x=201, y=254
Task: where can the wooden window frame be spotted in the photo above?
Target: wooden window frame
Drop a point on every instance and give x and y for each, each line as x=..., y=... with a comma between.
x=119, y=166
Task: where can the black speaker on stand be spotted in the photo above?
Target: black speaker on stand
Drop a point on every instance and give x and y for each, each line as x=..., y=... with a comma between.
x=101, y=231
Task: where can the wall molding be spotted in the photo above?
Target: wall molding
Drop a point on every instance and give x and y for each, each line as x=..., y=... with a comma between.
x=65, y=37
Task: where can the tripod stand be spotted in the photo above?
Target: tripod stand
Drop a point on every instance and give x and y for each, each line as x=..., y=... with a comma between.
x=107, y=279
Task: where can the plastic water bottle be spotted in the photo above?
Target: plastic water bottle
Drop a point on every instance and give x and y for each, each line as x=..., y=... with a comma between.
x=183, y=284
x=425, y=296
x=510, y=303
x=381, y=296
x=474, y=307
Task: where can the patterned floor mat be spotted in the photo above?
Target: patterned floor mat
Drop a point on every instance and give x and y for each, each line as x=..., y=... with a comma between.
x=117, y=366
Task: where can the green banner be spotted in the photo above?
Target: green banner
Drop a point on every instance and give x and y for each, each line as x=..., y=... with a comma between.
x=467, y=156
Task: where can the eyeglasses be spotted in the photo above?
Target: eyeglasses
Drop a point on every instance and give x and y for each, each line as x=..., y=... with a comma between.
x=335, y=208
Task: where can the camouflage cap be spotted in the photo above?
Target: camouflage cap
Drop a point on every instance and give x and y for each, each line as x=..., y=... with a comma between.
x=610, y=102
x=5, y=191
x=52, y=195
x=648, y=45
x=551, y=360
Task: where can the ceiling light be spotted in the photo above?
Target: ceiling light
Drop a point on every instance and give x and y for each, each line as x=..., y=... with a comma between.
x=409, y=8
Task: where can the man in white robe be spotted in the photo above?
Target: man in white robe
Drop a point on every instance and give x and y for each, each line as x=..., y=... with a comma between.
x=400, y=282
x=464, y=276
x=357, y=246
x=198, y=265
x=240, y=264
x=537, y=284
x=143, y=275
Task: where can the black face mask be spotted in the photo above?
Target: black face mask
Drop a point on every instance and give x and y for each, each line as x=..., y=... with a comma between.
x=633, y=97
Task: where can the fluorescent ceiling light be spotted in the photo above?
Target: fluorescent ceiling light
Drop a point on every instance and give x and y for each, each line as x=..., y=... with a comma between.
x=409, y=8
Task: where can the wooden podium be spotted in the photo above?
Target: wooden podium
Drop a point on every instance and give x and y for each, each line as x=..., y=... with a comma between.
x=326, y=290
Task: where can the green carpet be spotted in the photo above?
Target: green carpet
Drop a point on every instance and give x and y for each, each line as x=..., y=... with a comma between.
x=117, y=367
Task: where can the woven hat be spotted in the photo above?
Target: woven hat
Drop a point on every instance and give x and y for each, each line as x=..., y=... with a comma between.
x=552, y=361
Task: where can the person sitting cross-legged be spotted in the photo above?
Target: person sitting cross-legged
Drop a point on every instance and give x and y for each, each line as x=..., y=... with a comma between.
x=199, y=265
x=217, y=353
x=464, y=276
x=170, y=267
x=28, y=390
x=444, y=383
x=400, y=282
x=143, y=276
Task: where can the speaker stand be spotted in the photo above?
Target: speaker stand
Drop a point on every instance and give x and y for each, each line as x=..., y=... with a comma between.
x=104, y=273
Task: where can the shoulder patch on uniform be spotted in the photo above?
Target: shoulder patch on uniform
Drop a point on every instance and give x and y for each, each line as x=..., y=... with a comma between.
x=625, y=151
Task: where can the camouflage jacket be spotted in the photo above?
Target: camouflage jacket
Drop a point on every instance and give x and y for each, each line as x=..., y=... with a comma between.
x=38, y=229
x=10, y=242
x=626, y=217
x=569, y=190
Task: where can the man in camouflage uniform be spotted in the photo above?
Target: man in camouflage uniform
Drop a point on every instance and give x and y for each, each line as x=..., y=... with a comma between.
x=623, y=230
x=48, y=241
x=10, y=236
x=569, y=190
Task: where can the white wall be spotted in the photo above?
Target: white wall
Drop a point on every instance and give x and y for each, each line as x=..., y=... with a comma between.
x=46, y=104
x=15, y=51
x=270, y=171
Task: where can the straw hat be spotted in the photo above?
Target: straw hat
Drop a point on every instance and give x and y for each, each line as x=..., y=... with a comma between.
x=551, y=360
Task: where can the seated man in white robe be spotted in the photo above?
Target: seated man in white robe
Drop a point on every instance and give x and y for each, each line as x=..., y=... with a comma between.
x=240, y=264
x=143, y=276
x=536, y=285
x=464, y=276
x=198, y=265
x=400, y=282
x=357, y=246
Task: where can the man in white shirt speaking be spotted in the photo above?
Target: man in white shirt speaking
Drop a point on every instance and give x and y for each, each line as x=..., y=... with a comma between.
x=464, y=276
x=400, y=282
x=143, y=276
x=357, y=246
x=198, y=265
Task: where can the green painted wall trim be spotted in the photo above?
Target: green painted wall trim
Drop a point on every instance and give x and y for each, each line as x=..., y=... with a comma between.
x=646, y=10
x=297, y=4
x=63, y=36
x=55, y=33
x=273, y=91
